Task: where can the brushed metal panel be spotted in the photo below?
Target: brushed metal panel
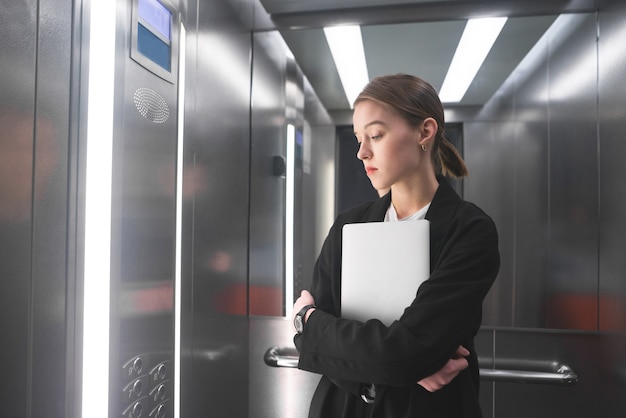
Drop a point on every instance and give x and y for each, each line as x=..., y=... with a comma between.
x=487, y=151
x=551, y=166
x=276, y=392
x=597, y=359
x=612, y=227
x=318, y=197
x=51, y=290
x=531, y=191
x=215, y=342
x=267, y=187
x=17, y=118
x=572, y=299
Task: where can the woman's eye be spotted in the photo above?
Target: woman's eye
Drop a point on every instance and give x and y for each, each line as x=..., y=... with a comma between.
x=376, y=137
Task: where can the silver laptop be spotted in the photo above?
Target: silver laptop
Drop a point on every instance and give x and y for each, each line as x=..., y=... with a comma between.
x=383, y=265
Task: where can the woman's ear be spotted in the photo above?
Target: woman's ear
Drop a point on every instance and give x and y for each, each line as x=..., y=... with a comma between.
x=428, y=130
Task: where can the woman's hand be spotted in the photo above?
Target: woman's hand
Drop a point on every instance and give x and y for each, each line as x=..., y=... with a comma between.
x=448, y=372
x=305, y=299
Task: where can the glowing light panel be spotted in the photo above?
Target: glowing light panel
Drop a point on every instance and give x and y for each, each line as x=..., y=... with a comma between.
x=346, y=47
x=476, y=42
x=97, y=267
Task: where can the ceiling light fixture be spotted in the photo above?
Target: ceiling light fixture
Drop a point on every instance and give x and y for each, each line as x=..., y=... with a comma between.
x=476, y=42
x=346, y=46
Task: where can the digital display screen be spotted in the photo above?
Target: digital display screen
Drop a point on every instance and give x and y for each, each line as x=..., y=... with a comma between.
x=157, y=16
x=153, y=47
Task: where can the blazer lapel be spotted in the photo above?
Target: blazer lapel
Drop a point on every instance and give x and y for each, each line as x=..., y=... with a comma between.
x=440, y=213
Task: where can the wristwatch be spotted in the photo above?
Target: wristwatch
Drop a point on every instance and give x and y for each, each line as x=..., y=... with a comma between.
x=368, y=392
x=298, y=320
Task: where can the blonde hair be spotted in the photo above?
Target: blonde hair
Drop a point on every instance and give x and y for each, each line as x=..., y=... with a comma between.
x=414, y=99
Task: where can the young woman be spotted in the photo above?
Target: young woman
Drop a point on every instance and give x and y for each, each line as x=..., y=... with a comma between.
x=405, y=369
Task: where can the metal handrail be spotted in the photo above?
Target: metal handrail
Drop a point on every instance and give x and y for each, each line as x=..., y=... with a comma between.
x=563, y=376
x=281, y=357
x=553, y=373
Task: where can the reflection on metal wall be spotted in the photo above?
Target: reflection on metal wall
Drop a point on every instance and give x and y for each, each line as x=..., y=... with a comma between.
x=545, y=196
x=214, y=369
x=612, y=223
x=542, y=158
x=280, y=96
x=268, y=175
x=34, y=205
x=16, y=184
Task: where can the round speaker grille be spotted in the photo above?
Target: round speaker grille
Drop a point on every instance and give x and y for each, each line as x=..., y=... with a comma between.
x=151, y=105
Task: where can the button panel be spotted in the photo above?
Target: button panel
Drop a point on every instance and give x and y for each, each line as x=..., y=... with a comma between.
x=146, y=386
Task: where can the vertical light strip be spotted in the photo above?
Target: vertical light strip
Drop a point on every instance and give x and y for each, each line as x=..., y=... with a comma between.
x=97, y=273
x=346, y=47
x=476, y=42
x=179, y=216
x=289, y=217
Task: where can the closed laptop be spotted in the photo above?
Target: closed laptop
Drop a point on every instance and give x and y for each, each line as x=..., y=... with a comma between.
x=383, y=265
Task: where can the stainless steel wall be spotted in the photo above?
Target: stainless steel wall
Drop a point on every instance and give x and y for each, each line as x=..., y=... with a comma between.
x=611, y=151
x=216, y=180
x=533, y=156
x=281, y=96
x=543, y=157
x=35, y=211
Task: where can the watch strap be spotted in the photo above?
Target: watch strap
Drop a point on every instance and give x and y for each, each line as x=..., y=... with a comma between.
x=300, y=316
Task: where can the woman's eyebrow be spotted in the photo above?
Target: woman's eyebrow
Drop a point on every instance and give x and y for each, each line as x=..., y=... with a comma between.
x=374, y=122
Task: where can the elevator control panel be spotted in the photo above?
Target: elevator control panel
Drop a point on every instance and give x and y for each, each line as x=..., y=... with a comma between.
x=146, y=135
x=153, y=37
x=146, y=386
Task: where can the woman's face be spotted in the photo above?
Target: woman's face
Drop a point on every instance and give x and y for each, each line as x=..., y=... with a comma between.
x=389, y=147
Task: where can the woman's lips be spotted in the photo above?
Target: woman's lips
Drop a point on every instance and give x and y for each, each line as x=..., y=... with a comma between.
x=370, y=170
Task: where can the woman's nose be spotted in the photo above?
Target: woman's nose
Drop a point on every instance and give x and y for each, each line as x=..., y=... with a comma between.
x=363, y=152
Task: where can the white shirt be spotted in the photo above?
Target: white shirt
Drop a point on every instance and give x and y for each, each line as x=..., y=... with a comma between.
x=392, y=215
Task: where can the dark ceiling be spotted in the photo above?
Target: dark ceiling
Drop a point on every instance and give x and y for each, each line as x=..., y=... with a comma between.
x=412, y=36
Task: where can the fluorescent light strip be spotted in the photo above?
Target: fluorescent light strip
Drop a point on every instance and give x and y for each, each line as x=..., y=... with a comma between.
x=346, y=47
x=476, y=42
x=179, y=216
x=97, y=273
x=289, y=217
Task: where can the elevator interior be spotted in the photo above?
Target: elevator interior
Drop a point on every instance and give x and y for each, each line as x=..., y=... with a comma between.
x=212, y=150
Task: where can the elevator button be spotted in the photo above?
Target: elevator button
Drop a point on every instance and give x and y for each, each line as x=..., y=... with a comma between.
x=162, y=410
x=159, y=372
x=161, y=392
x=137, y=388
x=137, y=365
x=162, y=372
x=136, y=411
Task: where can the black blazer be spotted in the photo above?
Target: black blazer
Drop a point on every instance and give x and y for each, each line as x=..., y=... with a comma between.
x=446, y=313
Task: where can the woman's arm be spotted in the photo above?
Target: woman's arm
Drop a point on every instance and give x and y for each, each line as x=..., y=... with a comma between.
x=432, y=383
x=445, y=313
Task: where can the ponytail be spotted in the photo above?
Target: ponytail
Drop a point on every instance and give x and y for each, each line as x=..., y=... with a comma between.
x=450, y=161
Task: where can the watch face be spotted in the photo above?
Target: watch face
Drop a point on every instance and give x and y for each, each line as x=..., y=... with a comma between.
x=297, y=322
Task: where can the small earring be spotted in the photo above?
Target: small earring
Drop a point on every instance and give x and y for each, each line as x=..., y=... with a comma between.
x=424, y=148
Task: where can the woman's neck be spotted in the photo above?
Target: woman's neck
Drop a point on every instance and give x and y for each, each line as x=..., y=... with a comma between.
x=409, y=198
